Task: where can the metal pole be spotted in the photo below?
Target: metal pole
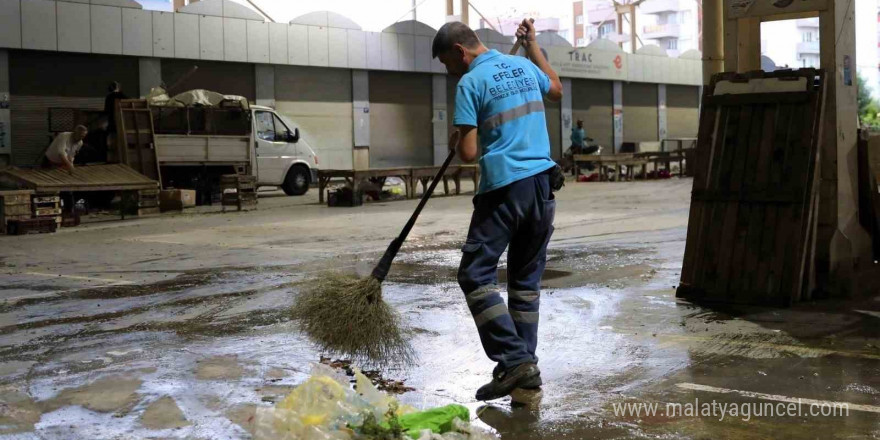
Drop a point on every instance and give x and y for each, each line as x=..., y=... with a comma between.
x=414, y=6
x=713, y=39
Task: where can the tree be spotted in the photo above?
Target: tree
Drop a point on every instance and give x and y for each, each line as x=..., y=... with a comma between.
x=868, y=106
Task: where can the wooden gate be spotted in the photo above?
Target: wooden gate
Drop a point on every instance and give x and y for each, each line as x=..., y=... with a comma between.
x=751, y=231
x=135, y=145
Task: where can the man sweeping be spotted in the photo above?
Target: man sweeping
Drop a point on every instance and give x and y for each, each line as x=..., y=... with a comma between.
x=500, y=99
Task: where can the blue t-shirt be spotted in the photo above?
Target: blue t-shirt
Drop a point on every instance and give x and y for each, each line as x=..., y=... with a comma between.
x=502, y=95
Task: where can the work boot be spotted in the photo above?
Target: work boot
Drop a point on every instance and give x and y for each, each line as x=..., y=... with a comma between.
x=525, y=375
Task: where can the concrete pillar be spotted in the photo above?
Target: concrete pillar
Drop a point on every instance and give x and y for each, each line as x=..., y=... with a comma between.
x=465, y=12
x=264, y=75
x=713, y=38
x=149, y=74
x=360, y=91
x=661, y=112
x=565, y=115
x=5, y=123
x=617, y=115
x=843, y=247
x=439, y=119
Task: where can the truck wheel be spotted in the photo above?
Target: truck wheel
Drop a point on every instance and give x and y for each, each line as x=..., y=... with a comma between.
x=296, y=183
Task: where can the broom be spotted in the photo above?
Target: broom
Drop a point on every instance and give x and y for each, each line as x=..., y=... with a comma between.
x=346, y=314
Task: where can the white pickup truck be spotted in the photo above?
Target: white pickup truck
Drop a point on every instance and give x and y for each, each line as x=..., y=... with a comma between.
x=195, y=146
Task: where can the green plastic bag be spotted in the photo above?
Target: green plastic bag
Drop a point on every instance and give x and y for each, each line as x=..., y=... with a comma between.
x=438, y=420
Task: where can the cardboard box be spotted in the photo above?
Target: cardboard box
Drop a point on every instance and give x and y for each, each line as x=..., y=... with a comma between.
x=177, y=199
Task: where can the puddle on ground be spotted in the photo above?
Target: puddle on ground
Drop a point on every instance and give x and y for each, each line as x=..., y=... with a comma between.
x=18, y=411
x=109, y=394
x=163, y=414
x=219, y=368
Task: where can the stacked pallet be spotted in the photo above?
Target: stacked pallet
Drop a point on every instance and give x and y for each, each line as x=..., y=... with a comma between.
x=147, y=202
x=752, y=226
x=239, y=190
x=47, y=206
x=27, y=226
x=14, y=205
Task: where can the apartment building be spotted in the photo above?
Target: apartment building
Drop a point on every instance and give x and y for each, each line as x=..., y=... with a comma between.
x=670, y=24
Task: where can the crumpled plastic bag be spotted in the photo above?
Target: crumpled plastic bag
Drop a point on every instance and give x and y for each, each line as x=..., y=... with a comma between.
x=324, y=406
x=380, y=401
x=437, y=420
x=318, y=409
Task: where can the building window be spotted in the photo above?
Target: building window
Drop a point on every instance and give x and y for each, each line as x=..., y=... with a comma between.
x=606, y=29
x=672, y=44
x=579, y=19
x=581, y=42
x=807, y=37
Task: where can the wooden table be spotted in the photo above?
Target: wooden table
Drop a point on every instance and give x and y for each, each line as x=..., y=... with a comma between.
x=411, y=177
x=617, y=161
x=425, y=175
x=354, y=177
x=681, y=151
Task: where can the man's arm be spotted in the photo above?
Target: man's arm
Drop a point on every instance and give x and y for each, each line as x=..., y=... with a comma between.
x=68, y=163
x=467, y=143
x=526, y=31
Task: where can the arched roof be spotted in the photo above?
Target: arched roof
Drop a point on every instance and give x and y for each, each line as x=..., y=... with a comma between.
x=604, y=44
x=326, y=19
x=692, y=54
x=546, y=39
x=491, y=36
x=653, y=50
x=221, y=8
x=411, y=27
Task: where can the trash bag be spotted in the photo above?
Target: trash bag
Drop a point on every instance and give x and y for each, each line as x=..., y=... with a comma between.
x=320, y=408
x=438, y=420
x=379, y=401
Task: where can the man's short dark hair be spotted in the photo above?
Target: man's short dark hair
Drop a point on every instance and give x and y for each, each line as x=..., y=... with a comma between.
x=453, y=33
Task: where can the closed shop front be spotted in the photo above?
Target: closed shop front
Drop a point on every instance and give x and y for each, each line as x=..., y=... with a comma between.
x=640, y=118
x=319, y=100
x=682, y=111
x=592, y=102
x=401, y=131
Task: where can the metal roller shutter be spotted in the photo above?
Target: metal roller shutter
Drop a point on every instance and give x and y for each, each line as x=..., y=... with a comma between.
x=640, y=117
x=319, y=100
x=401, y=131
x=592, y=102
x=682, y=111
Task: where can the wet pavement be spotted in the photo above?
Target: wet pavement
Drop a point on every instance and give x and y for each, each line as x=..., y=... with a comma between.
x=179, y=327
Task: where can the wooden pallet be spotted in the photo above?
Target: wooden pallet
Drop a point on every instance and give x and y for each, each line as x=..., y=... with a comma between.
x=14, y=205
x=31, y=226
x=239, y=190
x=147, y=202
x=46, y=205
x=751, y=231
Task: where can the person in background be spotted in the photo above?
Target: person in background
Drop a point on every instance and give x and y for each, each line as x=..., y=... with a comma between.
x=62, y=152
x=577, y=137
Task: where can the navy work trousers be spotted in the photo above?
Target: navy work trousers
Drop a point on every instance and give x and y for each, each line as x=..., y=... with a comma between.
x=519, y=215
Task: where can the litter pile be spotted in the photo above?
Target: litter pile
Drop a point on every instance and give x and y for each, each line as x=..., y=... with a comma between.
x=390, y=386
x=325, y=408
